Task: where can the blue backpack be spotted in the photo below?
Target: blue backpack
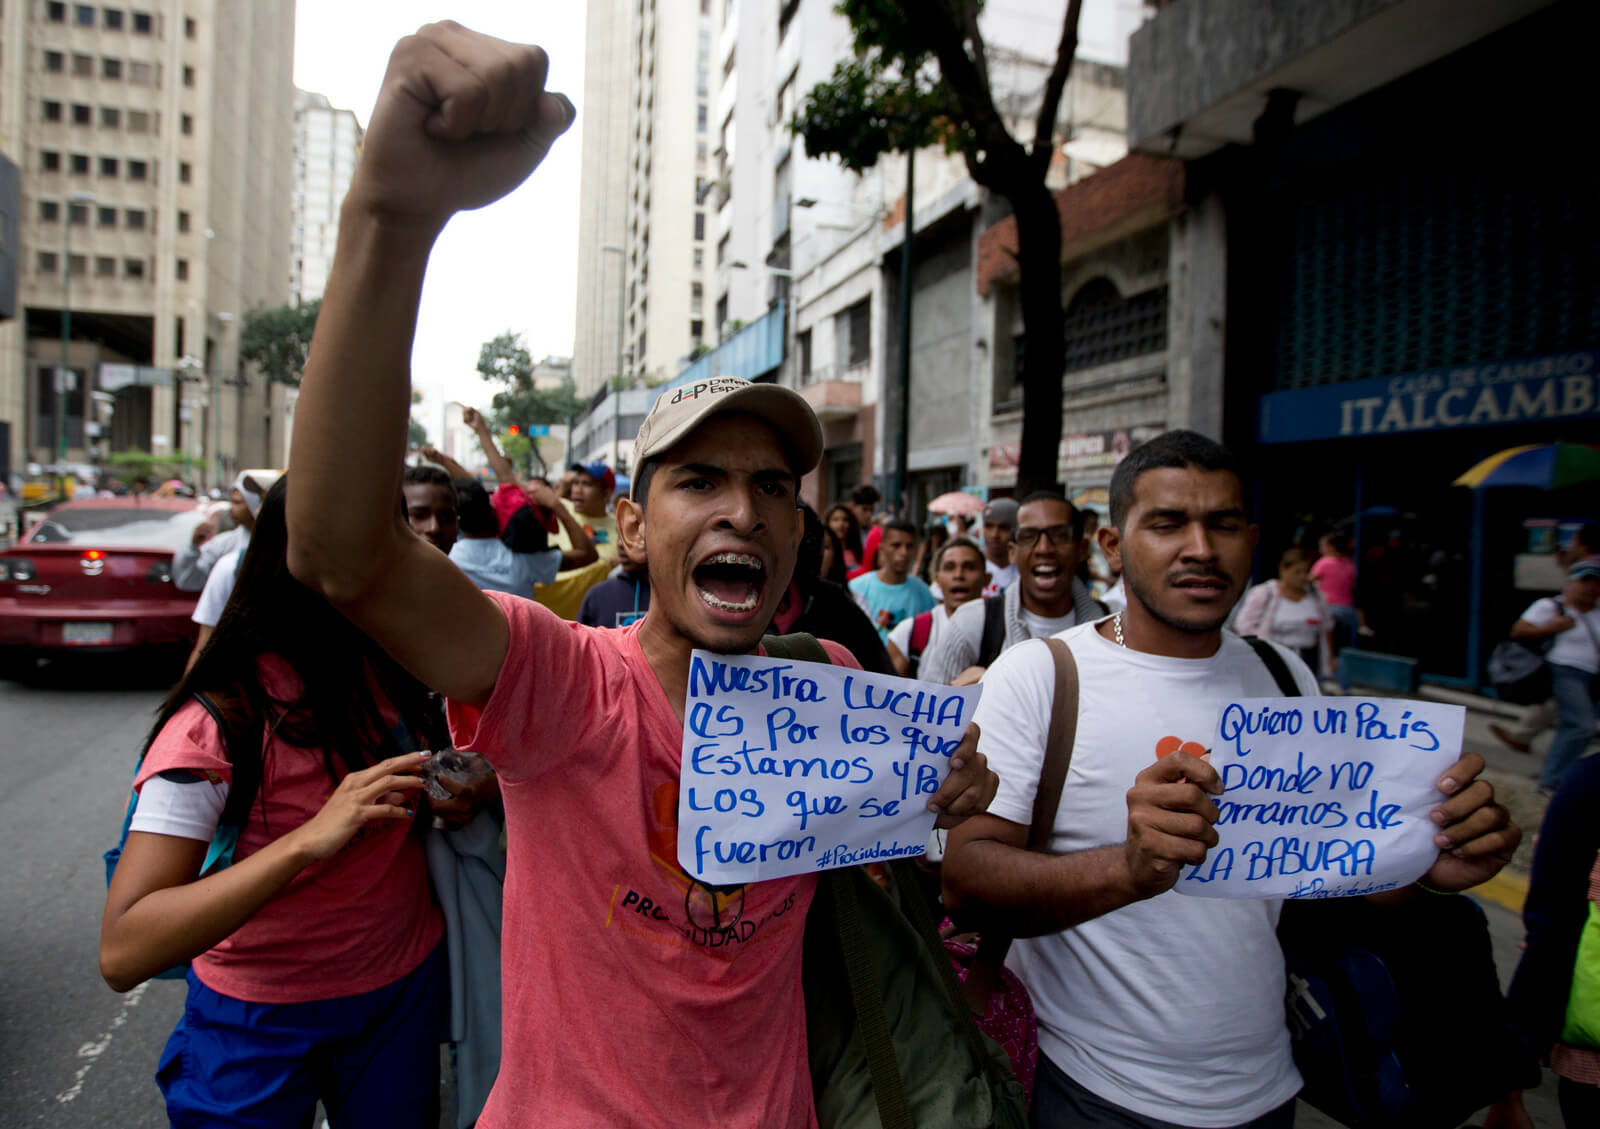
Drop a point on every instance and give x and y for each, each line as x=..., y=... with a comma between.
x=219, y=855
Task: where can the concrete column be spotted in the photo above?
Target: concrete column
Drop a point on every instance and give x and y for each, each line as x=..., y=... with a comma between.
x=1198, y=317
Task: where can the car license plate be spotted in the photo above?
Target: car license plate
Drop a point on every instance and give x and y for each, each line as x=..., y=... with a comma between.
x=86, y=634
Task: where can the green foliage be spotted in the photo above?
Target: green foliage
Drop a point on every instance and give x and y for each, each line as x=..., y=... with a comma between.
x=277, y=339
x=888, y=98
x=506, y=360
x=137, y=463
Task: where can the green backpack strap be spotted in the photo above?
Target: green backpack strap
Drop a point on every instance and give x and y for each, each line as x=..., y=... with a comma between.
x=798, y=647
x=872, y=1021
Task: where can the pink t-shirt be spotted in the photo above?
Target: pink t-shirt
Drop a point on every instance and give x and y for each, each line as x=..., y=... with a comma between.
x=1336, y=576
x=631, y=995
x=349, y=924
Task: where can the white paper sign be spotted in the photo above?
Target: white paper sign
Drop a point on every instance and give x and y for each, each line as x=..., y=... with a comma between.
x=794, y=767
x=1325, y=797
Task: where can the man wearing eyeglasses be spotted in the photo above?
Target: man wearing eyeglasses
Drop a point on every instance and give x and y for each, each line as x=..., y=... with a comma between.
x=1047, y=598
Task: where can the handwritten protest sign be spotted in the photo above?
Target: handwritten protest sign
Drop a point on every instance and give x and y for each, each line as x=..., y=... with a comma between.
x=794, y=767
x=1325, y=797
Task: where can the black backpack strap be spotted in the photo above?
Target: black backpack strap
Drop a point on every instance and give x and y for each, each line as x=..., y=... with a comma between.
x=1274, y=663
x=994, y=630
x=798, y=647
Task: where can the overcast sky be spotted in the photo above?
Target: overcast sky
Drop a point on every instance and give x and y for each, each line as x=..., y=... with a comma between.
x=509, y=266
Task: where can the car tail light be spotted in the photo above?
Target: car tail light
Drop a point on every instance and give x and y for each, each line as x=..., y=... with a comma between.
x=16, y=568
x=93, y=555
x=160, y=573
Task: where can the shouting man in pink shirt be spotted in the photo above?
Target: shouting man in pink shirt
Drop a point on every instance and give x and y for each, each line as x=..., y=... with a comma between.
x=633, y=995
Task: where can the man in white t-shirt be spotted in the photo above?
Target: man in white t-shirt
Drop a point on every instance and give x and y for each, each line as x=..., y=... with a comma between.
x=1046, y=598
x=244, y=503
x=1572, y=624
x=999, y=526
x=1154, y=1009
x=958, y=575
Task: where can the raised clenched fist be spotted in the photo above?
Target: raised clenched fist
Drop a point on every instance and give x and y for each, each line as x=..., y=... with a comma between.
x=461, y=120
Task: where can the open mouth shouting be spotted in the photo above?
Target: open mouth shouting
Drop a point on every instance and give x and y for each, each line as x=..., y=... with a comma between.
x=731, y=584
x=1047, y=576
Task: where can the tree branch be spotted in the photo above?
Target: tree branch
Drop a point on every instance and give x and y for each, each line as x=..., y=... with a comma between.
x=980, y=53
x=1003, y=159
x=1044, y=129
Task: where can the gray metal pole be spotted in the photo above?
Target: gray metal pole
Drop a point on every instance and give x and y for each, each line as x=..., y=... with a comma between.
x=66, y=336
x=901, y=499
x=622, y=308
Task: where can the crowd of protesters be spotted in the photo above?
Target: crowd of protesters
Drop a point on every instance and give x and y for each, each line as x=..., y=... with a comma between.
x=453, y=689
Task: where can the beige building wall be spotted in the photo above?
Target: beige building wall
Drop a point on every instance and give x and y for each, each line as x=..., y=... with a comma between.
x=327, y=143
x=177, y=119
x=603, y=191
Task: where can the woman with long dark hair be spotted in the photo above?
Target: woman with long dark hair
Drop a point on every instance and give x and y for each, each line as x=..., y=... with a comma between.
x=317, y=972
x=842, y=520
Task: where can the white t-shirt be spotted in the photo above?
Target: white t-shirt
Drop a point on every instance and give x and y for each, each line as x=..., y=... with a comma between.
x=185, y=809
x=900, y=634
x=491, y=564
x=1171, y=1007
x=1575, y=646
x=1042, y=627
x=219, y=586
x=999, y=578
x=1296, y=623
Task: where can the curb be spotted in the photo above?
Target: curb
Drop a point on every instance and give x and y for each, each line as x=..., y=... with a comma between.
x=1508, y=889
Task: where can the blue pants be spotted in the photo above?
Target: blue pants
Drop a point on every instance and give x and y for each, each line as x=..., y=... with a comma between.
x=1574, y=722
x=1060, y=1103
x=371, y=1059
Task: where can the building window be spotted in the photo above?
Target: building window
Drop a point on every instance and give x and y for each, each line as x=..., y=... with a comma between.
x=47, y=262
x=133, y=219
x=111, y=68
x=108, y=217
x=108, y=166
x=83, y=66
x=722, y=250
x=81, y=114
x=722, y=314
x=143, y=23
x=133, y=268
x=138, y=170
x=802, y=345
x=1102, y=326
x=49, y=211
x=188, y=76
x=141, y=74
x=138, y=121
x=50, y=111
x=700, y=150
x=699, y=258
x=55, y=62
x=85, y=15
x=78, y=265
x=105, y=266
x=112, y=19
x=186, y=125
x=697, y=297
x=110, y=117
x=699, y=225
x=55, y=13
x=78, y=214
x=180, y=270
x=700, y=118
x=184, y=172
x=80, y=164
x=183, y=223
x=854, y=327
x=189, y=29
x=49, y=161
x=697, y=330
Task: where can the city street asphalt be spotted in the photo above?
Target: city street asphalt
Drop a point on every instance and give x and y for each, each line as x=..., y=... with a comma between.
x=78, y=1055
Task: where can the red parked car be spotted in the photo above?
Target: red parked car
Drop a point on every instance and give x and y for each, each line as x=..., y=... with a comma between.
x=96, y=576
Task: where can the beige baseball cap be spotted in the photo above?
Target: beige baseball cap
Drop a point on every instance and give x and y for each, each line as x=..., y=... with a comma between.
x=678, y=411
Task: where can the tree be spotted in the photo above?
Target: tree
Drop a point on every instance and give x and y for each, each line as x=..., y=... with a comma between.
x=506, y=360
x=276, y=339
x=920, y=76
x=416, y=434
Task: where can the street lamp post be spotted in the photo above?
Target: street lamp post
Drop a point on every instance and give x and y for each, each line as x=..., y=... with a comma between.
x=216, y=404
x=622, y=308
x=63, y=375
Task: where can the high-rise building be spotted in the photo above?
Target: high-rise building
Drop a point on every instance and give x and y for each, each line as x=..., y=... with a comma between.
x=664, y=67
x=156, y=151
x=327, y=142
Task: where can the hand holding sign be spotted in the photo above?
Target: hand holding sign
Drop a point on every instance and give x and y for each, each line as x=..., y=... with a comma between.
x=1339, y=797
x=1170, y=818
x=1475, y=834
x=794, y=767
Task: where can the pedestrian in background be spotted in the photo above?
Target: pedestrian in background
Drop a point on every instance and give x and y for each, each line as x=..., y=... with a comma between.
x=317, y=972
x=958, y=569
x=935, y=537
x=891, y=593
x=1289, y=609
x=842, y=520
x=1335, y=574
x=999, y=525
x=1572, y=622
x=863, y=502
x=824, y=608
